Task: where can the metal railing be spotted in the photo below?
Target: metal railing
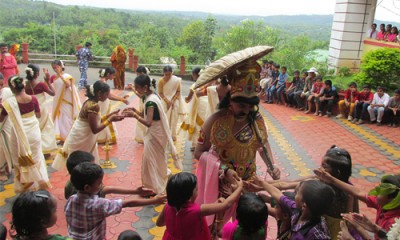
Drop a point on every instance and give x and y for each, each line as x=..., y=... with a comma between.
x=103, y=61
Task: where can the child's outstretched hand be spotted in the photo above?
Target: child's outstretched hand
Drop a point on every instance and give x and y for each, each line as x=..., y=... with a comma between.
x=160, y=199
x=239, y=183
x=145, y=192
x=258, y=182
x=323, y=175
x=357, y=219
x=344, y=233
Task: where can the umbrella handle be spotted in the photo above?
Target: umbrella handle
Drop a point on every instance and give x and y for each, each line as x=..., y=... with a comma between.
x=267, y=159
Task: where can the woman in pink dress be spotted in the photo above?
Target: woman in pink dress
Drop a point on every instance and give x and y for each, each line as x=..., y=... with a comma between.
x=392, y=36
x=183, y=218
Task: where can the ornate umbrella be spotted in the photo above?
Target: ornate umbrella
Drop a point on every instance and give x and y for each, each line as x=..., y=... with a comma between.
x=230, y=62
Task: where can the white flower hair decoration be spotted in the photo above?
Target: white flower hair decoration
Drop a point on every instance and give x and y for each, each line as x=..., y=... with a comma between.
x=62, y=64
x=103, y=72
x=13, y=81
x=91, y=89
x=29, y=70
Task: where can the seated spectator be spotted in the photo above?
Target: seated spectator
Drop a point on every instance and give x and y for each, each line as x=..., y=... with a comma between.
x=310, y=80
x=315, y=93
x=299, y=91
x=78, y=157
x=271, y=90
x=372, y=33
x=281, y=84
x=381, y=33
x=362, y=102
x=296, y=88
x=32, y=214
x=393, y=109
x=85, y=212
x=378, y=105
x=251, y=219
x=392, y=36
x=265, y=75
x=384, y=198
x=348, y=103
x=328, y=99
x=129, y=235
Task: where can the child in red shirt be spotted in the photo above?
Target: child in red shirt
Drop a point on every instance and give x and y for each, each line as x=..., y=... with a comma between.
x=385, y=198
x=362, y=102
x=348, y=103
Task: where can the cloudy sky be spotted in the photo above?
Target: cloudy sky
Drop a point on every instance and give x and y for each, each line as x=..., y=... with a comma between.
x=388, y=10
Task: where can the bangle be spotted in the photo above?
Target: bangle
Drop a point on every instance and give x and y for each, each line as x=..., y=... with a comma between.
x=106, y=122
x=218, y=220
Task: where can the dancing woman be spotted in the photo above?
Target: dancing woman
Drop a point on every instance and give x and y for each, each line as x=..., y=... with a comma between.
x=37, y=88
x=66, y=103
x=5, y=132
x=83, y=133
x=26, y=151
x=156, y=138
x=109, y=133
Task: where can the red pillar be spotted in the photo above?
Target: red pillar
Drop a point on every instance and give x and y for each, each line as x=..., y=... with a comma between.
x=135, y=62
x=183, y=65
x=130, y=59
x=25, y=52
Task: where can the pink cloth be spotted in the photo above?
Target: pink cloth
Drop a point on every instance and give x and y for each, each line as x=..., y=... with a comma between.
x=8, y=66
x=185, y=224
x=392, y=37
x=207, y=180
x=380, y=36
x=229, y=230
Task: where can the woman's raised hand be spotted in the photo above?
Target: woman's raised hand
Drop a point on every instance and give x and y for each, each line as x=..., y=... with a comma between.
x=46, y=75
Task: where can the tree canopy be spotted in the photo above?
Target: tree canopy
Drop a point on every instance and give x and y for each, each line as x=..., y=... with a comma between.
x=197, y=36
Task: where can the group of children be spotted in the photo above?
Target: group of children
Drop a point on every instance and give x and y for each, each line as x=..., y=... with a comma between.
x=355, y=105
x=323, y=206
x=386, y=33
x=308, y=92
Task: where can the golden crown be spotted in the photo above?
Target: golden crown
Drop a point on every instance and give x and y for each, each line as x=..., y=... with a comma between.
x=245, y=80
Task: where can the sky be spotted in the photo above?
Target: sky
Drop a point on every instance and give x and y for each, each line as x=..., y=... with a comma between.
x=387, y=10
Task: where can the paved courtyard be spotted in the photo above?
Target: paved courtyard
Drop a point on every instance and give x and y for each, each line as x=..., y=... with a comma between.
x=298, y=142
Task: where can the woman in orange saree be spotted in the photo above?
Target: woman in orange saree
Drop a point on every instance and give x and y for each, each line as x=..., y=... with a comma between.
x=118, y=59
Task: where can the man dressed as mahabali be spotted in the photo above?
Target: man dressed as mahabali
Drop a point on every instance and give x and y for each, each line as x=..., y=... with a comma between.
x=231, y=137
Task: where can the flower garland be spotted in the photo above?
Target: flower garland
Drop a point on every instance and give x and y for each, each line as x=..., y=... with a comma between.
x=29, y=71
x=394, y=232
x=91, y=89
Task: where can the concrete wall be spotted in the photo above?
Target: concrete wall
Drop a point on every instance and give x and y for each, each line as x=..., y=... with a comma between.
x=351, y=22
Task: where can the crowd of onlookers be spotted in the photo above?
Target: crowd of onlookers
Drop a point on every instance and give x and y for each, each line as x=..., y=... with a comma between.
x=308, y=92
x=386, y=33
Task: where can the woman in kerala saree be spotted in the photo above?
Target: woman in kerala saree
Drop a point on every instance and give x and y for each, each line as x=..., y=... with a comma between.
x=66, y=102
x=22, y=110
x=39, y=89
x=83, y=134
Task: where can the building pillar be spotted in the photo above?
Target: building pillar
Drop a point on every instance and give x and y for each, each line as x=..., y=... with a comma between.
x=135, y=62
x=130, y=61
x=351, y=22
x=183, y=65
x=25, y=53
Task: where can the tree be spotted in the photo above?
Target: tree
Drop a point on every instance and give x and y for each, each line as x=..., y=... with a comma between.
x=380, y=67
x=198, y=37
x=247, y=34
